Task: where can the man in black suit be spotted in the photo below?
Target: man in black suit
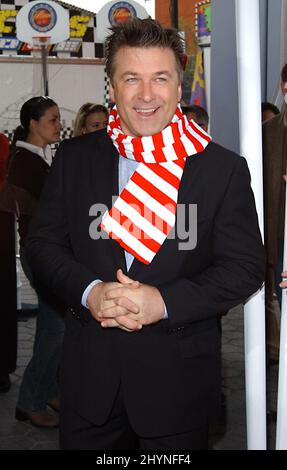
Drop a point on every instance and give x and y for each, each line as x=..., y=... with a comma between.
x=145, y=276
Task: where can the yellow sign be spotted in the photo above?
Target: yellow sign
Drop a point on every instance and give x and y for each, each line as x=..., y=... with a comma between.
x=78, y=26
x=4, y=15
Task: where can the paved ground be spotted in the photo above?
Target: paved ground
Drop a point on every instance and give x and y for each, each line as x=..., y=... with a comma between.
x=230, y=434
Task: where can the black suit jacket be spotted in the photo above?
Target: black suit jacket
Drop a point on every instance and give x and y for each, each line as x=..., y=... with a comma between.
x=169, y=371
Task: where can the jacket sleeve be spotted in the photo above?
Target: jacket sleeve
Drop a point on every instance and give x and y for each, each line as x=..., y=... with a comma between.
x=237, y=270
x=48, y=246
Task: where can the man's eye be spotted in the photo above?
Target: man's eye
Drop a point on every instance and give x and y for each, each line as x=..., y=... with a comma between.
x=161, y=79
x=131, y=80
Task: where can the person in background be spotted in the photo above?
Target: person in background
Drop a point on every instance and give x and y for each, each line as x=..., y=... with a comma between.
x=141, y=356
x=4, y=153
x=8, y=290
x=198, y=114
x=274, y=145
x=268, y=111
x=90, y=117
x=27, y=173
x=283, y=283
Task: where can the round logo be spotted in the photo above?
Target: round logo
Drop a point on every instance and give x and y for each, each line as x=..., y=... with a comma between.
x=42, y=17
x=120, y=12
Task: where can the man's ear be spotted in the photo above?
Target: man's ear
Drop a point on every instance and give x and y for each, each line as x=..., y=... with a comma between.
x=283, y=88
x=111, y=91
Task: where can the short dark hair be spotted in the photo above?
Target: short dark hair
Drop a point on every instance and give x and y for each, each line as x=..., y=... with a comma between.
x=266, y=106
x=144, y=33
x=284, y=73
x=200, y=113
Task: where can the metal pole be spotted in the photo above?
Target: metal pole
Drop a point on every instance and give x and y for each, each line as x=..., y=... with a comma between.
x=281, y=429
x=248, y=60
x=174, y=13
x=44, y=69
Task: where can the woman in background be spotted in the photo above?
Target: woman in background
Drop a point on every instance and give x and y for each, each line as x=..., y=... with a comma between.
x=27, y=173
x=8, y=299
x=90, y=117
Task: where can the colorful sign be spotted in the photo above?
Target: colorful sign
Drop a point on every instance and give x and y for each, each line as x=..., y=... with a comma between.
x=42, y=17
x=116, y=13
x=82, y=27
x=203, y=21
x=120, y=12
x=198, y=85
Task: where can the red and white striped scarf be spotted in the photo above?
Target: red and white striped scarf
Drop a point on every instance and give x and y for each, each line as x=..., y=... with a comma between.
x=144, y=212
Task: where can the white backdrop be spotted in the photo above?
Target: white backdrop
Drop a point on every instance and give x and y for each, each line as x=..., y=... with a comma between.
x=70, y=86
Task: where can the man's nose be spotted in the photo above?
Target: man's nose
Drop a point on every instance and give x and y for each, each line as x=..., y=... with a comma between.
x=146, y=91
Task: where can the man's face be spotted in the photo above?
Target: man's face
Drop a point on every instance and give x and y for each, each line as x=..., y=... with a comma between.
x=146, y=89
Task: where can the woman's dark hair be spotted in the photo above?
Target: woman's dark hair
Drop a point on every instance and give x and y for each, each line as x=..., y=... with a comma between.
x=34, y=108
x=266, y=106
x=142, y=33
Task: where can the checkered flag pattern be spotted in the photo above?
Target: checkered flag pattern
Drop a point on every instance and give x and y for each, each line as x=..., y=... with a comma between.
x=106, y=91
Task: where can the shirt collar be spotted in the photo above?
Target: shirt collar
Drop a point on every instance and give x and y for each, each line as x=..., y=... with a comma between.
x=33, y=148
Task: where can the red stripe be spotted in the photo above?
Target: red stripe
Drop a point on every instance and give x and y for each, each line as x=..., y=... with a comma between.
x=178, y=146
x=138, y=149
x=165, y=174
x=158, y=146
x=152, y=190
x=126, y=247
x=158, y=141
x=119, y=140
x=181, y=163
x=159, y=155
x=145, y=212
x=198, y=131
x=134, y=230
x=198, y=146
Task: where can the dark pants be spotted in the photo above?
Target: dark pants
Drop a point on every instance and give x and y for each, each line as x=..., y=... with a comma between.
x=40, y=380
x=76, y=433
x=8, y=298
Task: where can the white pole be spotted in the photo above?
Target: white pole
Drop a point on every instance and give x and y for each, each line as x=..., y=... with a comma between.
x=281, y=430
x=207, y=74
x=283, y=41
x=248, y=62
